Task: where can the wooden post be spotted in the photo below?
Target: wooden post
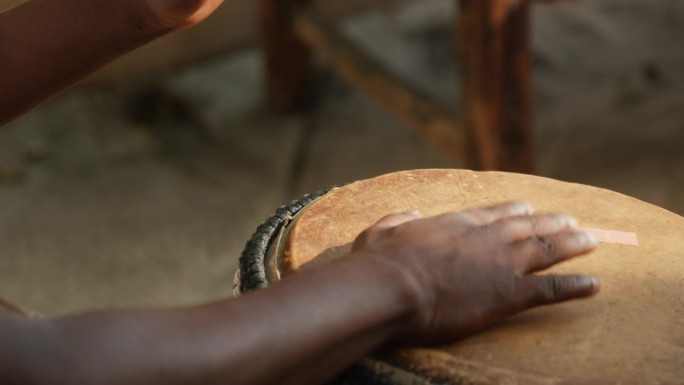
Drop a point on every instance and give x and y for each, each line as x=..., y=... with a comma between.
x=494, y=42
x=288, y=61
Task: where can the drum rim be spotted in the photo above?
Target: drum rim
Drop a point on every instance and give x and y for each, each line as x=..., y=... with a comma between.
x=252, y=267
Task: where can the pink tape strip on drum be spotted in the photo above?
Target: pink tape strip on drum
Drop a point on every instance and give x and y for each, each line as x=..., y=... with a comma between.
x=616, y=237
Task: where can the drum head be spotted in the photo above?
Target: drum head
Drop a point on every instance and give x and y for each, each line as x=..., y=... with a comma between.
x=631, y=333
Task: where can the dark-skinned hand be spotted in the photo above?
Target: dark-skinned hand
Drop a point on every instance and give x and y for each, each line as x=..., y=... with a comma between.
x=470, y=269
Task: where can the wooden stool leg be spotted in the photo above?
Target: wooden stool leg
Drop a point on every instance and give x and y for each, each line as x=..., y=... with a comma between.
x=287, y=60
x=494, y=42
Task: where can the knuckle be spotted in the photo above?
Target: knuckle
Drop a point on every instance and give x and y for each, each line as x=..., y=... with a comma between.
x=556, y=287
x=536, y=225
x=549, y=248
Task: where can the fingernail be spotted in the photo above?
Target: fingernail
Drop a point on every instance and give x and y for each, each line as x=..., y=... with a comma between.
x=588, y=238
x=415, y=213
x=589, y=282
x=572, y=222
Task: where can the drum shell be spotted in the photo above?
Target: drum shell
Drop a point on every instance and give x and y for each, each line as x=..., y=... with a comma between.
x=655, y=302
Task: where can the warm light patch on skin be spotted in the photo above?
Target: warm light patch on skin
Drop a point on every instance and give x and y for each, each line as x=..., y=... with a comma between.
x=615, y=237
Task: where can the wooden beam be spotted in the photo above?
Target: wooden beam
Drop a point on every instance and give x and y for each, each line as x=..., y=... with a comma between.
x=433, y=121
x=494, y=42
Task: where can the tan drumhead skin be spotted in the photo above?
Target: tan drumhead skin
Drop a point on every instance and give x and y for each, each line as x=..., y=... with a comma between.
x=632, y=333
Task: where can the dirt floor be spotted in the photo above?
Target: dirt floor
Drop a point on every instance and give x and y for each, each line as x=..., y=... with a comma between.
x=144, y=194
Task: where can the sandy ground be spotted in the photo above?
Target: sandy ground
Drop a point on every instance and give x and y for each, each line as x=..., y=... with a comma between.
x=144, y=194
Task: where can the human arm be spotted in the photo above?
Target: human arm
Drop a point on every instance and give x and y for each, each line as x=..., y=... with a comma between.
x=408, y=280
x=47, y=45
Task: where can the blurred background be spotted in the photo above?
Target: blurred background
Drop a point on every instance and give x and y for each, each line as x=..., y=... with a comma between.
x=141, y=185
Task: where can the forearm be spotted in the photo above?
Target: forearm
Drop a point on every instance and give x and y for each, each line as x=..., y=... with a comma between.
x=425, y=281
x=329, y=319
x=301, y=331
x=47, y=45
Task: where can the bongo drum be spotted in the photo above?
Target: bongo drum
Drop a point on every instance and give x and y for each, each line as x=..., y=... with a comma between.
x=631, y=333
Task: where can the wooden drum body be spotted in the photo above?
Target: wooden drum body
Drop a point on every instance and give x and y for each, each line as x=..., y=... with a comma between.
x=631, y=333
